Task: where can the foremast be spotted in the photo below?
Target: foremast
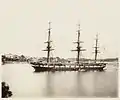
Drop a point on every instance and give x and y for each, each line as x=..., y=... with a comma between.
x=79, y=47
x=49, y=47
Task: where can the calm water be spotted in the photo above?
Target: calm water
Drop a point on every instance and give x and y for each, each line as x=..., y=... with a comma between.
x=24, y=82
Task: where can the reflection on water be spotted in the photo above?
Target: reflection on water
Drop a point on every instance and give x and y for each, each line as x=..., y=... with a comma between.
x=24, y=82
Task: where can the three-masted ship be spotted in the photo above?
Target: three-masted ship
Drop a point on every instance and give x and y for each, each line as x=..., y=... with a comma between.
x=78, y=66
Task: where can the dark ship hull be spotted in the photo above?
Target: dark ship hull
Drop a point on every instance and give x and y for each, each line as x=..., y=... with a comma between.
x=39, y=67
x=42, y=69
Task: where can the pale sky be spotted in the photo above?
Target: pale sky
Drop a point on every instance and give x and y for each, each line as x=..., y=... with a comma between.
x=24, y=25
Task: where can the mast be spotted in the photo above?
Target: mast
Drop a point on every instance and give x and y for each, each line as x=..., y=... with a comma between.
x=96, y=48
x=49, y=47
x=78, y=48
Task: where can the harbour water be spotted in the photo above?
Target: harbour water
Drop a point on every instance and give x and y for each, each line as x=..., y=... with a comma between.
x=24, y=82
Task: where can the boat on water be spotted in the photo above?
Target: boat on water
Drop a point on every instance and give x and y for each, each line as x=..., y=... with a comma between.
x=81, y=67
x=78, y=66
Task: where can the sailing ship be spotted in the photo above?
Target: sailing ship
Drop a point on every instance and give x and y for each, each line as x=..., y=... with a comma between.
x=78, y=66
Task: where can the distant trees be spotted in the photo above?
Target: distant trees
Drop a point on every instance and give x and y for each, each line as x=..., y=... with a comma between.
x=17, y=58
x=22, y=58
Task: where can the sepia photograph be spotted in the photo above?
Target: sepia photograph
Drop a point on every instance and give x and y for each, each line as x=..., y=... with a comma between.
x=60, y=48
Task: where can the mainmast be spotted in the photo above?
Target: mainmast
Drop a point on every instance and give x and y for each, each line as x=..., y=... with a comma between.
x=96, y=48
x=49, y=47
x=78, y=48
